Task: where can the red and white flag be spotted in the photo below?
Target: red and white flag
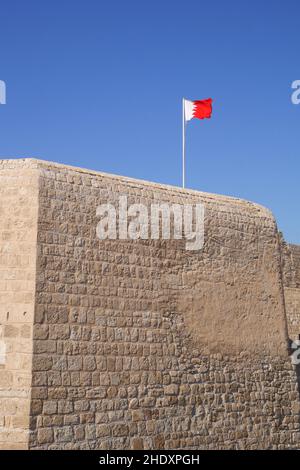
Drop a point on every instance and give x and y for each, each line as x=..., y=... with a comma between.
x=200, y=109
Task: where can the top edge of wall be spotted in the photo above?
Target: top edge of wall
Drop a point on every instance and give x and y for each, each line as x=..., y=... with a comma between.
x=35, y=163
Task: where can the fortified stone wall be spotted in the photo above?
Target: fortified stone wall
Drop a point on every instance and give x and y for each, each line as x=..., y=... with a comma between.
x=143, y=344
x=18, y=239
x=291, y=280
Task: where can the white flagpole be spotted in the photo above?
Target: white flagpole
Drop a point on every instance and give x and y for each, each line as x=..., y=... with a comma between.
x=183, y=144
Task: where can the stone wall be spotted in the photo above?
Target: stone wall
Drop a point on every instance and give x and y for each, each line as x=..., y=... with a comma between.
x=291, y=280
x=143, y=344
x=18, y=238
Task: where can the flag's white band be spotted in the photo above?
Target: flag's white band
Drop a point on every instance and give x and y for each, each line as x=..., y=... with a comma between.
x=189, y=108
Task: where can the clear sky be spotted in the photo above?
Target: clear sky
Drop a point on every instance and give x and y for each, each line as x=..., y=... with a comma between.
x=99, y=84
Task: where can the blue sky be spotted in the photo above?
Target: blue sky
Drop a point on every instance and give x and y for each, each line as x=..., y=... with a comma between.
x=99, y=84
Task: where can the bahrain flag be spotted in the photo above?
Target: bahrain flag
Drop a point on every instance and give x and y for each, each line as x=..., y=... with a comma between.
x=200, y=109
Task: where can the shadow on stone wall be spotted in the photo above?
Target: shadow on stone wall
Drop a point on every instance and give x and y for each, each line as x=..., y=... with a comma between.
x=296, y=352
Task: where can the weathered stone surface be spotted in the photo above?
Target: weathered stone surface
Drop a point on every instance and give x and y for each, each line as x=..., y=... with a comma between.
x=18, y=237
x=291, y=280
x=139, y=344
